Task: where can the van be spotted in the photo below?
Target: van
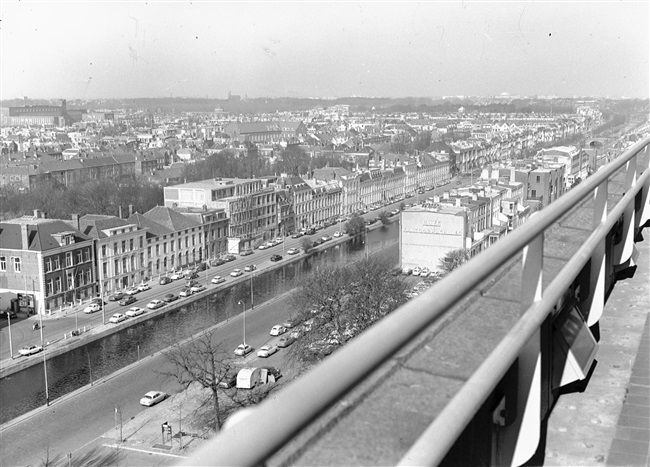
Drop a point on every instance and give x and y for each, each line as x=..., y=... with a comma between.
x=248, y=378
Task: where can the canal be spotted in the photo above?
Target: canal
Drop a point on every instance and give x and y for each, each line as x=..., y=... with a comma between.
x=25, y=390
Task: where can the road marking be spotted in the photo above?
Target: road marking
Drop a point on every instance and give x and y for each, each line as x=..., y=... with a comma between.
x=115, y=446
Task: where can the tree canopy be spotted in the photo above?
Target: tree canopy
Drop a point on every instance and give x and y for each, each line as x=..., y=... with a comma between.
x=453, y=260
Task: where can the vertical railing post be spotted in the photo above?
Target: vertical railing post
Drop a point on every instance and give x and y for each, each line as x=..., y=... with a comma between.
x=519, y=439
x=595, y=299
x=644, y=213
x=623, y=250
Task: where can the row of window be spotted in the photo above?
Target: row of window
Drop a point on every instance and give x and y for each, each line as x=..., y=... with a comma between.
x=124, y=249
x=71, y=259
x=17, y=266
x=54, y=286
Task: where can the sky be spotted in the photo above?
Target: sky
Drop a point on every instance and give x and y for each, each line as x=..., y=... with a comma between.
x=93, y=49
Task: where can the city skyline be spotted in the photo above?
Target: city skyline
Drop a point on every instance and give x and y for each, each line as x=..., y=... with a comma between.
x=100, y=50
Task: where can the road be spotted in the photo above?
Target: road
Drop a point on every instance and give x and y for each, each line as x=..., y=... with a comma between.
x=81, y=417
x=61, y=323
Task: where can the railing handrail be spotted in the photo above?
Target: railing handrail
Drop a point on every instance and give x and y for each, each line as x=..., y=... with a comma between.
x=303, y=400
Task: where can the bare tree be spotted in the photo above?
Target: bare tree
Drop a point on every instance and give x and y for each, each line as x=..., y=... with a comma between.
x=453, y=260
x=202, y=361
x=356, y=225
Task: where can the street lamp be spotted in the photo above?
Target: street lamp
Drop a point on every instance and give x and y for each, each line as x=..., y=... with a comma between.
x=243, y=308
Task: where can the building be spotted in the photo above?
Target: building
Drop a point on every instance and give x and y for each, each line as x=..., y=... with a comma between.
x=575, y=162
x=119, y=249
x=255, y=132
x=45, y=262
x=250, y=206
x=46, y=115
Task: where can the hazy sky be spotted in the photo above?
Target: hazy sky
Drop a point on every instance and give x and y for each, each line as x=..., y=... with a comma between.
x=96, y=49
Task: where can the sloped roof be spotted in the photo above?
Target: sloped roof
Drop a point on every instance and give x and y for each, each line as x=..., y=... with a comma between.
x=170, y=219
x=93, y=224
x=39, y=232
x=331, y=173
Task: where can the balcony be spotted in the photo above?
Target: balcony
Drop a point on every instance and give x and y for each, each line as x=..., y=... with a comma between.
x=466, y=373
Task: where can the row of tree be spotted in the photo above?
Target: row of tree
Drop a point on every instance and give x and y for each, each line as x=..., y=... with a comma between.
x=103, y=196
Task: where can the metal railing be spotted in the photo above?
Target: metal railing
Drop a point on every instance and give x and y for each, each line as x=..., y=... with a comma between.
x=269, y=426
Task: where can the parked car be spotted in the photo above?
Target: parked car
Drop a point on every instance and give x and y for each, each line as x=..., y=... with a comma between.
x=236, y=273
x=170, y=297
x=246, y=252
x=230, y=258
x=229, y=380
x=416, y=271
x=338, y=234
x=6, y=314
x=310, y=231
x=134, y=311
x=286, y=341
x=191, y=275
x=267, y=350
x=131, y=291
x=293, y=251
x=98, y=301
x=273, y=371
x=197, y=288
x=128, y=300
x=185, y=292
x=407, y=271
x=93, y=307
x=201, y=267
x=217, y=262
x=295, y=333
x=262, y=246
x=277, y=330
x=144, y=286
x=191, y=283
x=152, y=398
x=243, y=349
x=117, y=318
x=250, y=268
x=218, y=280
x=164, y=280
x=175, y=275
x=275, y=258
x=115, y=296
x=155, y=304
x=30, y=350
x=289, y=323
x=318, y=241
x=297, y=235
x=326, y=238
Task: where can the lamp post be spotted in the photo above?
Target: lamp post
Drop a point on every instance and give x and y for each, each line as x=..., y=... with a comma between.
x=11, y=347
x=243, y=308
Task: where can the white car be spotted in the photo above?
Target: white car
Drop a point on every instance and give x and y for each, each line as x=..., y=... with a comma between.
x=152, y=398
x=176, y=275
x=155, y=304
x=417, y=271
x=267, y=351
x=243, y=349
x=236, y=273
x=293, y=251
x=134, y=311
x=218, y=280
x=93, y=307
x=197, y=288
x=277, y=330
x=30, y=350
x=338, y=234
x=143, y=287
x=117, y=318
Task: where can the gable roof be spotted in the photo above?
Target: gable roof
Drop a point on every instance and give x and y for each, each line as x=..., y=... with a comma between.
x=170, y=219
x=39, y=233
x=94, y=224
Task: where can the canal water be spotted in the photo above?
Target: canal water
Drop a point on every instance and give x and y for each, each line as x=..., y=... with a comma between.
x=25, y=390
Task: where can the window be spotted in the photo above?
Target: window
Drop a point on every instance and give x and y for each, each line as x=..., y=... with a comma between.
x=131, y=244
x=193, y=240
x=141, y=242
x=68, y=259
x=117, y=267
x=179, y=244
x=49, y=287
x=57, y=263
x=165, y=247
x=157, y=250
x=103, y=251
x=115, y=250
x=125, y=265
x=123, y=245
x=533, y=193
x=79, y=257
x=538, y=179
x=17, y=265
x=149, y=251
x=88, y=276
x=87, y=254
x=57, y=285
x=104, y=269
x=48, y=265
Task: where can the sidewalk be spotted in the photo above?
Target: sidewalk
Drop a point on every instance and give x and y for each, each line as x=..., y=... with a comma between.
x=609, y=423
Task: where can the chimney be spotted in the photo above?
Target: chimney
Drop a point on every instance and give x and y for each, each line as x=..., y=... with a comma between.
x=75, y=221
x=457, y=202
x=119, y=212
x=130, y=210
x=25, y=236
x=37, y=213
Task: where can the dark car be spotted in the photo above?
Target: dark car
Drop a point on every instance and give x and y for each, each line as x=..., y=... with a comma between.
x=98, y=301
x=277, y=374
x=170, y=297
x=229, y=380
x=311, y=231
x=192, y=275
x=127, y=300
x=201, y=267
x=114, y=297
x=165, y=280
x=297, y=235
x=191, y=283
x=6, y=314
x=246, y=252
x=286, y=341
x=218, y=262
x=230, y=258
x=275, y=258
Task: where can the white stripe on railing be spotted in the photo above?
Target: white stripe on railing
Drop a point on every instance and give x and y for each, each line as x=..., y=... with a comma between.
x=275, y=421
